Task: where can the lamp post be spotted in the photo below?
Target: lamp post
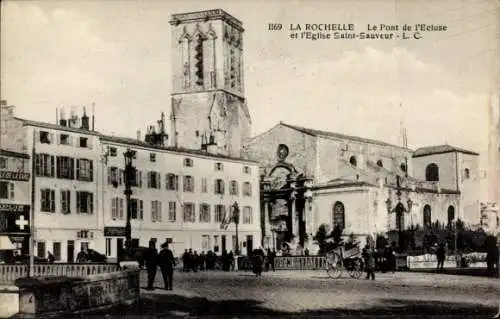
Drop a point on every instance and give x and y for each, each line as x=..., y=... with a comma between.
x=129, y=170
x=236, y=219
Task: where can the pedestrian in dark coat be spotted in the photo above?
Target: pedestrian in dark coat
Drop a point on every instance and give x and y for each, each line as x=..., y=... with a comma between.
x=440, y=256
x=167, y=262
x=369, y=256
x=185, y=261
x=151, y=264
x=257, y=259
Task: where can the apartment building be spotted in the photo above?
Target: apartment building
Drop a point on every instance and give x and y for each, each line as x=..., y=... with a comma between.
x=181, y=196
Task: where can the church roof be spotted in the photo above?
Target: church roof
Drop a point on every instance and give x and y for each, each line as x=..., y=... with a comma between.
x=328, y=134
x=440, y=149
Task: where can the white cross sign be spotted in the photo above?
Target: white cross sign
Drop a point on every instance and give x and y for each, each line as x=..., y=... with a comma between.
x=21, y=222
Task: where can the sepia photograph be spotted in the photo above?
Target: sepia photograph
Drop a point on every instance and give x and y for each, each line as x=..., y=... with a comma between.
x=249, y=159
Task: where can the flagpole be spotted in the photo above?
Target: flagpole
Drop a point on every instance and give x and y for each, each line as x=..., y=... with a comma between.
x=31, y=265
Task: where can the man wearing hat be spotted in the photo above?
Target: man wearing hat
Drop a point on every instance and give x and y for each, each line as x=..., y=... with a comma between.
x=167, y=262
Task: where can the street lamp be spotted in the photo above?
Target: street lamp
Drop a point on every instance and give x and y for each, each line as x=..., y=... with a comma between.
x=129, y=170
x=236, y=219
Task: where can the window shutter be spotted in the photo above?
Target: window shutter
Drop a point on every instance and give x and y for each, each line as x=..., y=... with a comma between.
x=158, y=180
x=78, y=169
x=52, y=201
x=72, y=168
x=69, y=201
x=176, y=182
x=58, y=166
x=37, y=136
x=91, y=163
x=78, y=199
x=159, y=211
x=51, y=138
x=90, y=202
x=89, y=143
x=141, y=210
x=109, y=176
x=52, y=166
x=139, y=177
x=70, y=140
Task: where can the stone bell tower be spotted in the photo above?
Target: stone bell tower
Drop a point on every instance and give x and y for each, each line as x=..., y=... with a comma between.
x=209, y=110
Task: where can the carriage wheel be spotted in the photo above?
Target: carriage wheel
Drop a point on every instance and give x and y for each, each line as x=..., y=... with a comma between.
x=356, y=271
x=334, y=267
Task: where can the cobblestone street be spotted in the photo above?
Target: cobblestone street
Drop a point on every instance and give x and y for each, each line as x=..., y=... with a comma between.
x=313, y=294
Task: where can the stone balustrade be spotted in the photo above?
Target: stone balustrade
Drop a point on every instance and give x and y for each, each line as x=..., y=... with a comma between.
x=10, y=272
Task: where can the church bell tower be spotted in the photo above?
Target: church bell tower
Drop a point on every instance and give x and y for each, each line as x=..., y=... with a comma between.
x=209, y=110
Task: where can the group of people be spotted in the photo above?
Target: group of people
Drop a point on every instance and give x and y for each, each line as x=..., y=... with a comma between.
x=194, y=261
x=165, y=260
x=259, y=259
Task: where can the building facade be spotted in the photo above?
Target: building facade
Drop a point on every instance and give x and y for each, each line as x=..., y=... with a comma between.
x=181, y=196
x=365, y=186
x=15, y=189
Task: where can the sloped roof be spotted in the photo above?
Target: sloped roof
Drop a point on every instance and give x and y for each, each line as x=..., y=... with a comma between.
x=131, y=141
x=8, y=153
x=440, y=149
x=328, y=134
x=57, y=127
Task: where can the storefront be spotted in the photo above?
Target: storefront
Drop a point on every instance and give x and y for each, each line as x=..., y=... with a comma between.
x=14, y=230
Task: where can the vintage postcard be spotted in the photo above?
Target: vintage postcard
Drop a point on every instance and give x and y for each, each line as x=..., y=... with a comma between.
x=247, y=159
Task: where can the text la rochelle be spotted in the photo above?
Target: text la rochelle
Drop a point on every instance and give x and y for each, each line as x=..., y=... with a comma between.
x=322, y=27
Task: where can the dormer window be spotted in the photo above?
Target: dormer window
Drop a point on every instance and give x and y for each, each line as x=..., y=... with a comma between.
x=64, y=139
x=188, y=162
x=219, y=167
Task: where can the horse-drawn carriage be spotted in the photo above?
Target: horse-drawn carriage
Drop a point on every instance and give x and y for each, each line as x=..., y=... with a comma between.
x=345, y=257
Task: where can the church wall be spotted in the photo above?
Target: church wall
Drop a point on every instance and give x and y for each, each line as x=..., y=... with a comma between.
x=447, y=164
x=302, y=149
x=470, y=187
x=355, y=200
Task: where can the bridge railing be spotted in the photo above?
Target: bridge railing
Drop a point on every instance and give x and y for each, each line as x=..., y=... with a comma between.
x=10, y=272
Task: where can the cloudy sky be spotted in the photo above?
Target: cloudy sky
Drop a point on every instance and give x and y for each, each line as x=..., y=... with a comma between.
x=117, y=55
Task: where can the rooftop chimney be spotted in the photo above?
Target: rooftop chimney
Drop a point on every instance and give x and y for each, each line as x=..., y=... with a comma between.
x=85, y=120
x=62, y=118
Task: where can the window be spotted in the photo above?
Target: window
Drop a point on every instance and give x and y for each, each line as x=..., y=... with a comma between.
x=247, y=215
x=204, y=213
x=64, y=139
x=112, y=151
x=84, y=202
x=219, y=186
x=154, y=180
x=219, y=166
x=136, y=209
x=247, y=170
x=189, y=215
x=45, y=137
x=108, y=247
x=84, y=170
x=65, y=201
x=172, y=212
x=204, y=185
x=205, y=242
x=114, y=175
x=380, y=163
x=6, y=190
x=338, y=217
x=188, y=184
x=40, y=249
x=84, y=142
x=467, y=173
x=44, y=165
x=56, y=250
x=216, y=243
x=152, y=157
x=220, y=213
x=427, y=216
x=432, y=173
x=117, y=208
x=136, y=179
x=451, y=215
x=155, y=211
x=353, y=161
x=47, y=200
x=65, y=167
x=247, y=189
x=3, y=163
x=188, y=162
x=172, y=182
x=233, y=189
